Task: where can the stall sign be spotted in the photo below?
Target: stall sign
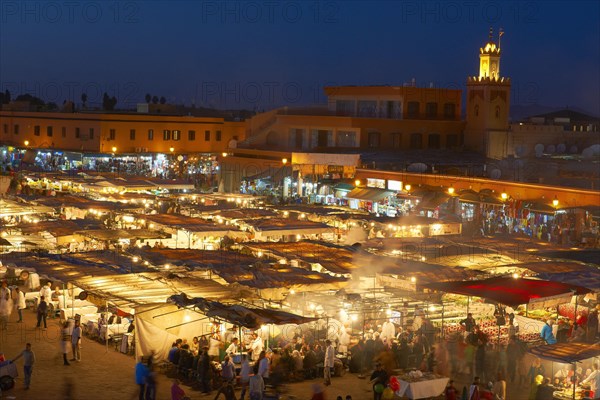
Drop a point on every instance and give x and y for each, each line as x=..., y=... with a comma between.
x=376, y=183
x=547, y=302
x=394, y=185
x=396, y=283
x=335, y=169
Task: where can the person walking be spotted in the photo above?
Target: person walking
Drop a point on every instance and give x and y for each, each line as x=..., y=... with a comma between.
x=76, y=341
x=28, y=361
x=177, y=393
x=379, y=379
x=328, y=364
x=499, y=388
x=5, y=305
x=244, y=376
x=450, y=393
x=64, y=342
x=474, y=393
x=204, y=370
x=141, y=376
x=20, y=297
x=42, y=311
x=256, y=386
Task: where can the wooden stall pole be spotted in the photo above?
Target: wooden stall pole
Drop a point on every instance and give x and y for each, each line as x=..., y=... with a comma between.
x=106, y=328
x=574, y=370
x=443, y=334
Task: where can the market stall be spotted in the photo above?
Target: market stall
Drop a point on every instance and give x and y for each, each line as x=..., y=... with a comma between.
x=569, y=353
x=159, y=325
x=535, y=294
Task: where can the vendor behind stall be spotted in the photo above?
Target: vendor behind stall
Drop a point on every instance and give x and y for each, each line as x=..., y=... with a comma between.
x=546, y=332
x=594, y=381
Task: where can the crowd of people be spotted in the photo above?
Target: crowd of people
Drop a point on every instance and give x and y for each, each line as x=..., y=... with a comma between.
x=246, y=363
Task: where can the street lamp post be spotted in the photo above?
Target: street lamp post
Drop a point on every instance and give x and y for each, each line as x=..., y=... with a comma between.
x=172, y=158
x=220, y=176
x=284, y=162
x=114, y=151
x=26, y=143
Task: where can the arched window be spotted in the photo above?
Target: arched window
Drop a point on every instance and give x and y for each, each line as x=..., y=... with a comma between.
x=497, y=111
x=476, y=110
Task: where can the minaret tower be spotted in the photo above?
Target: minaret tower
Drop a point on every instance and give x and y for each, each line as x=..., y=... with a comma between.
x=488, y=101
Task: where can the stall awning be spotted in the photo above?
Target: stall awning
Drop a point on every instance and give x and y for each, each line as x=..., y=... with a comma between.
x=369, y=194
x=433, y=200
x=347, y=187
x=538, y=206
x=248, y=317
x=276, y=174
x=566, y=352
x=509, y=291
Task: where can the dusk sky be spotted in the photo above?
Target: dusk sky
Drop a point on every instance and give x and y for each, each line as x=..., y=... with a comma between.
x=262, y=55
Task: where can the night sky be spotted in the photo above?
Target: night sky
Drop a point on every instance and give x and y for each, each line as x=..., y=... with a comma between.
x=261, y=55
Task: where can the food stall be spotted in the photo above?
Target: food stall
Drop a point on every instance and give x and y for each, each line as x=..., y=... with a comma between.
x=569, y=353
x=535, y=294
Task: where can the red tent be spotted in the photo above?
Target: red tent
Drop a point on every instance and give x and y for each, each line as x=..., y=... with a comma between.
x=507, y=290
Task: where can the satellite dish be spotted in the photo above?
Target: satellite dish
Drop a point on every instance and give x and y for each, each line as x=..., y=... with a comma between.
x=550, y=149
x=520, y=150
x=587, y=153
x=24, y=275
x=495, y=174
x=417, y=167
x=82, y=295
x=539, y=150
x=573, y=149
x=561, y=148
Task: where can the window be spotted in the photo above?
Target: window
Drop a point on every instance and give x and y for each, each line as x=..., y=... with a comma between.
x=207, y=136
x=36, y=130
x=374, y=139
x=166, y=134
x=396, y=140
x=449, y=111
x=416, y=141
x=112, y=134
x=346, y=139
x=77, y=133
x=49, y=131
x=434, y=141
x=344, y=107
x=16, y=129
x=476, y=110
x=64, y=131
x=176, y=135
x=431, y=110
x=5, y=128
x=412, y=109
x=150, y=134
x=91, y=133
x=218, y=136
x=132, y=134
x=498, y=114
x=451, y=141
x=191, y=135
x=367, y=108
